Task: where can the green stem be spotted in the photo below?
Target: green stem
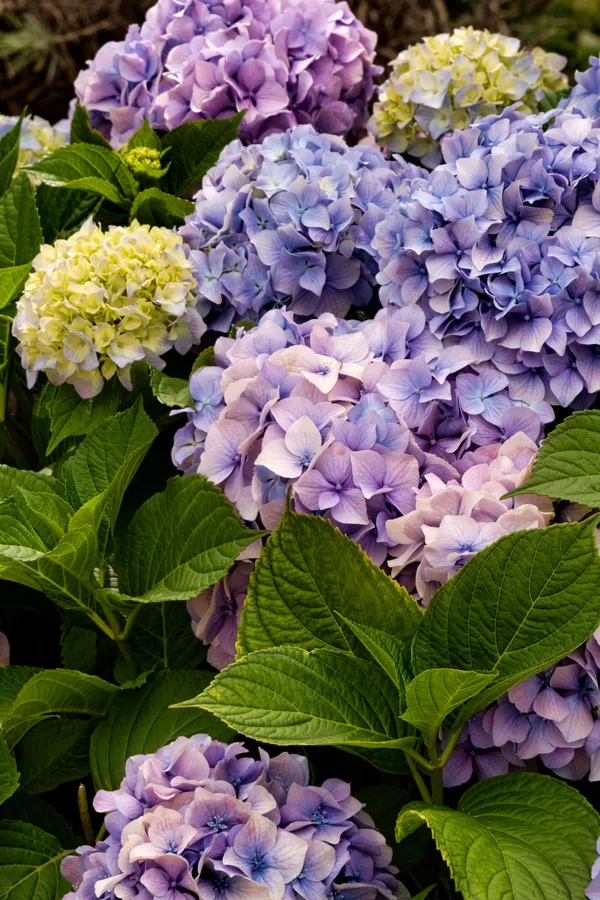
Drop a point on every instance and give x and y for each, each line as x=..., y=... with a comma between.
x=3, y=397
x=84, y=815
x=101, y=833
x=130, y=622
x=420, y=760
x=419, y=781
x=448, y=749
x=101, y=624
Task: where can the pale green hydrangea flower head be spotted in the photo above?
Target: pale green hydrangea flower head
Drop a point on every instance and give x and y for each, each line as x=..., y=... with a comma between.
x=38, y=138
x=101, y=300
x=447, y=81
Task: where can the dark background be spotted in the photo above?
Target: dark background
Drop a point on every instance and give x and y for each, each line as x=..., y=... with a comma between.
x=44, y=43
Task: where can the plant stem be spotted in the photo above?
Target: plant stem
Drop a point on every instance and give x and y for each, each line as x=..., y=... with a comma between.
x=448, y=749
x=419, y=781
x=101, y=624
x=420, y=760
x=130, y=622
x=84, y=815
x=437, y=787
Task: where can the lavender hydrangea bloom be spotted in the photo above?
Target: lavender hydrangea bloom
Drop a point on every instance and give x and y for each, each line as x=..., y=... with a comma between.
x=286, y=62
x=593, y=890
x=203, y=819
x=499, y=247
x=289, y=221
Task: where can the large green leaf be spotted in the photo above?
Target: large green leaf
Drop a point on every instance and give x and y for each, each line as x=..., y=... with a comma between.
x=568, y=463
x=88, y=167
x=63, y=212
x=194, y=148
x=180, y=542
x=435, y=693
x=516, y=837
x=12, y=281
x=70, y=416
x=286, y=695
x=30, y=863
x=24, y=807
x=82, y=131
x=9, y=776
x=517, y=607
x=13, y=479
x=12, y=679
x=155, y=207
x=108, y=458
x=308, y=572
x=54, y=692
x=140, y=721
x=52, y=752
x=163, y=637
x=9, y=155
x=20, y=229
x=392, y=654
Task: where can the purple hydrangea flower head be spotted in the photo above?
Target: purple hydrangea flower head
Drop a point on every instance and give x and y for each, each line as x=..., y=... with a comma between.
x=231, y=827
x=289, y=222
x=286, y=62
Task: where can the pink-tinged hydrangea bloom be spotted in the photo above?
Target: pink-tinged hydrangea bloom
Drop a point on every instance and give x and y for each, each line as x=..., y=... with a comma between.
x=290, y=221
x=203, y=819
x=286, y=62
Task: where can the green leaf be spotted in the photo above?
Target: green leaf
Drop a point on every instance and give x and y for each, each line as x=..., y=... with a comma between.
x=435, y=693
x=194, y=148
x=71, y=416
x=206, y=357
x=90, y=168
x=9, y=155
x=155, y=207
x=171, y=391
x=286, y=695
x=385, y=760
x=79, y=648
x=515, y=837
x=139, y=721
x=108, y=458
x=9, y=776
x=516, y=607
x=12, y=282
x=385, y=649
x=53, y=692
x=12, y=679
x=20, y=228
x=30, y=863
x=568, y=464
x=63, y=212
x=163, y=637
x=82, y=131
x=29, y=808
x=144, y=137
x=308, y=572
x=5, y=338
x=180, y=542
x=11, y=480
x=52, y=752
x=423, y=894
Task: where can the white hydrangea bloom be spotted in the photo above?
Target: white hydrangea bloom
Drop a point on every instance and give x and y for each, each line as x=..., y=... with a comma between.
x=448, y=80
x=98, y=301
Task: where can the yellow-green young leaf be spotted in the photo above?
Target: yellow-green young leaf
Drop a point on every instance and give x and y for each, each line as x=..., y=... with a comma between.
x=54, y=692
x=285, y=695
x=517, y=607
x=9, y=776
x=20, y=229
x=435, y=693
x=30, y=863
x=515, y=837
x=12, y=280
x=568, y=464
x=180, y=542
x=170, y=391
x=140, y=721
x=309, y=572
x=109, y=458
x=144, y=137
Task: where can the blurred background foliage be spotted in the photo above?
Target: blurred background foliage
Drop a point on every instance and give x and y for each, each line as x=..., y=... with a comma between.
x=44, y=43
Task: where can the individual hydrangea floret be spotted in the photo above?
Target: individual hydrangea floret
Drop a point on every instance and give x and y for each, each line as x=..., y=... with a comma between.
x=101, y=300
x=38, y=137
x=593, y=891
x=585, y=96
x=500, y=248
x=449, y=80
x=216, y=614
x=290, y=221
x=286, y=62
x=551, y=717
x=204, y=819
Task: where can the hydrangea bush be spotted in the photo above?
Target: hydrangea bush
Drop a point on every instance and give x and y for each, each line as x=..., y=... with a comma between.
x=449, y=80
x=338, y=413
x=203, y=817
x=286, y=62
